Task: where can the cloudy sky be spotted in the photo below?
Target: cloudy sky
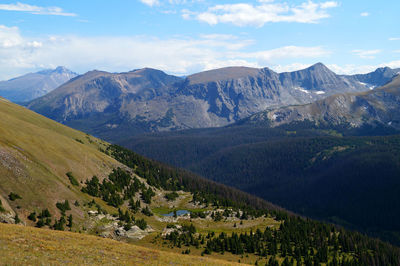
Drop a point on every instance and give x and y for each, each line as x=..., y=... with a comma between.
x=187, y=36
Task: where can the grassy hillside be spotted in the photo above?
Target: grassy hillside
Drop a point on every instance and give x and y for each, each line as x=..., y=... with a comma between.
x=35, y=155
x=28, y=245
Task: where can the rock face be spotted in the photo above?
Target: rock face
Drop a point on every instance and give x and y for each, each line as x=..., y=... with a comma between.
x=377, y=78
x=33, y=85
x=116, y=106
x=378, y=106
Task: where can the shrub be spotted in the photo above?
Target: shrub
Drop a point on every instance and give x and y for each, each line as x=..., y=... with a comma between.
x=63, y=207
x=171, y=196
x=45, y=214
x=16, y=219
x=72, y=179
x=59, y=225
x=128, y=226
x=70, y=221
x=40, y=223
x=141, y=223
x=14, y=196
x=32, y=216
x=146, y=211
x=1, y=207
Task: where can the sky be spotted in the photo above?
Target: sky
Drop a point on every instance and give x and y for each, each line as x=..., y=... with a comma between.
x=182, y=37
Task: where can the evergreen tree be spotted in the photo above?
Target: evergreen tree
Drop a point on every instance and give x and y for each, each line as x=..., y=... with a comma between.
x=32, y=216
x=16, y=219
x=70, y=221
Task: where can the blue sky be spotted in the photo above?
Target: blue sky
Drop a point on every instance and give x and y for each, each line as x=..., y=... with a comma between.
x=187, y=36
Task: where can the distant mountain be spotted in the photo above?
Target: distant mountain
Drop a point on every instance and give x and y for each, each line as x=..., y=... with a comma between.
x=108, y=104
x=33, y=85
x=376, y=107
x=378, y=77
x=237, y=92
x=116, y=106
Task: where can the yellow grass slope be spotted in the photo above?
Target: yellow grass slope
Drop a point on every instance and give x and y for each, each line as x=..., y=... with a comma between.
x=31, y=246
x=35, y=155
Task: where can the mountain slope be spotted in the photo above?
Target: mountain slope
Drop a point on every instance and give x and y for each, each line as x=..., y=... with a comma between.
x=378, y=106
x=36, y=153
x=54, y=247
x=33, y=85
x=116, y=106
x=100, y=102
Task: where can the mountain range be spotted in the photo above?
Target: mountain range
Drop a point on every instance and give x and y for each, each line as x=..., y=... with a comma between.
x=116, y=106
x=33, y=85
x=370, y=108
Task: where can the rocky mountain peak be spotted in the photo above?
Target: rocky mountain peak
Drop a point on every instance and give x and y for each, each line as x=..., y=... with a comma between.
x=33, y=85
x=319, y=67
x=57, y=70
x=62, y=69
x=222, y=74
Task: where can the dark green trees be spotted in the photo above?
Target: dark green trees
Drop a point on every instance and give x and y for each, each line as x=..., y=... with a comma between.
x=171, y=196
x=32, y=216
x=118, y=187
x=63, y=207
x=1, y=207
x=14, y=196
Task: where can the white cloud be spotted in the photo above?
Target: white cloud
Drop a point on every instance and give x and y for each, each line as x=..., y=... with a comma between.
x=394, y=39
x=9, y=37
x=364, y=14
x=361, y=69
x=347, y=69
x=37, y=10
x=392, y=64
x=181, y=56
x=245, y=14
x=329, y=4
x=366, y=54
x=150, y=2
x=288, y=52
x=34, y=44
x=290, y=67
x=351, y=68
x=19, y=55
